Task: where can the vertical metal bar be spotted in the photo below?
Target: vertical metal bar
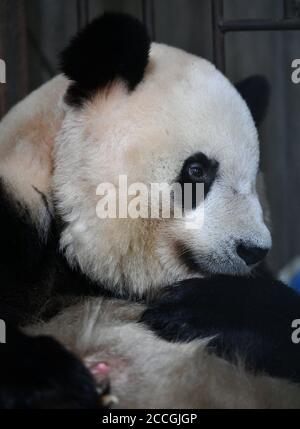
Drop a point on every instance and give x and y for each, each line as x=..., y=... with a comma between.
x=148, y=16
x=24, y=53
x=86, y=11
x=2, y=51
x=45, y=63
x=291, y=9
x=152, y=13
x=144, y=12
x=83, y=13
x=79, y=15
x=218, y=34
x=286, y=8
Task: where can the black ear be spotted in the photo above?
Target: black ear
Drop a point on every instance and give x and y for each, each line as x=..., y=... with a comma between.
x=255, y=90
x=112, y=46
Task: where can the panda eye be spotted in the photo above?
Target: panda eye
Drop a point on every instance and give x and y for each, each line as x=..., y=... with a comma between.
x=196, y=171
x=198, y=168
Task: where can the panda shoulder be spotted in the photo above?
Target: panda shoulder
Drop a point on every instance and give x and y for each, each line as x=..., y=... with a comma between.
x=27, y=134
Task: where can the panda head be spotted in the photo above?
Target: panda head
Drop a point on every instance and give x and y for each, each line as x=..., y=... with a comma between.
x=155, y=114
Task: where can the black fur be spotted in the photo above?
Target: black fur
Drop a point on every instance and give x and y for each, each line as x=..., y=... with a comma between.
x=26, y=260
x=251, y=317
x=209, y=168
x=39, y=373
x=112, y=46
x=32, y=270
x=255, y=90
x=35, y=282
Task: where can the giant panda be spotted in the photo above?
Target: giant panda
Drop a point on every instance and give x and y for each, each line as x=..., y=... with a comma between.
x=146, y=304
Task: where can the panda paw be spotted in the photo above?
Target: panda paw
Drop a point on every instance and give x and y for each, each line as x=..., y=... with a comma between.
x=203, y=307
x=248, y=318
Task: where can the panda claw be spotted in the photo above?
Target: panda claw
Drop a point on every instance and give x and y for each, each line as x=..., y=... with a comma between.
x=109, y=400
x=105, y=398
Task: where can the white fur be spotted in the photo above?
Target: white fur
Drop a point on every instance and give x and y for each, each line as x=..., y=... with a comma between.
x=146, y=372
x=184, y=105
x=27, y=136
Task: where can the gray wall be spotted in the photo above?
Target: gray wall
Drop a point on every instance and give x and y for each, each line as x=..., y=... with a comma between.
x=32, y=32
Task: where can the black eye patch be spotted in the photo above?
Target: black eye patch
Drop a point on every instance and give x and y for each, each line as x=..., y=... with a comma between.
x=198, y=168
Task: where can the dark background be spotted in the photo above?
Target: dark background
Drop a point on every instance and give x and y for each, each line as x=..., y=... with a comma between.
x=32, y=32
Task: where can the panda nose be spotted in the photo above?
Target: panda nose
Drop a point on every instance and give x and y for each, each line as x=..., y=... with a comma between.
x=251, y=254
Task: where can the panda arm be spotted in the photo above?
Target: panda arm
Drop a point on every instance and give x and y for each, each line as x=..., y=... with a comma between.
x=27, y=256
x=249, y=318
x=27, y=135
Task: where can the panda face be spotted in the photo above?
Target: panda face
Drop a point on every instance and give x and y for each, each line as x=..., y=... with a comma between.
x=183, y=122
